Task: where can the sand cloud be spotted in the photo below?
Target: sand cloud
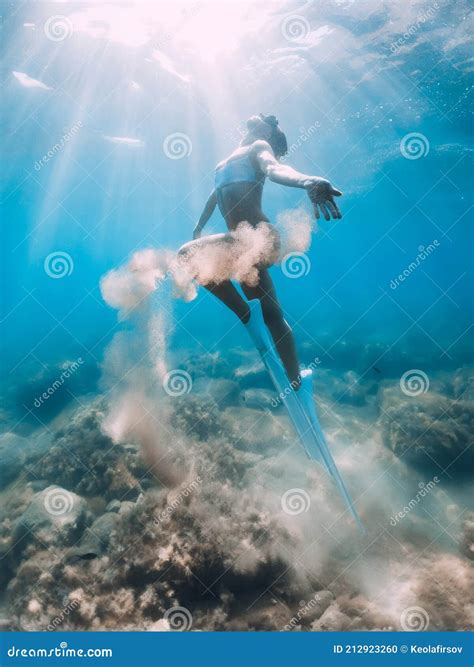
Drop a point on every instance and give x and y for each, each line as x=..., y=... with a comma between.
x=211, y=259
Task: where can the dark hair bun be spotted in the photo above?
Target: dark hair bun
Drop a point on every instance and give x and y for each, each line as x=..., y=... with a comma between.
x=270, y=120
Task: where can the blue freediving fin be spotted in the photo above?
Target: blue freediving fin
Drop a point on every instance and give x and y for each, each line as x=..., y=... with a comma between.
x=260, y=336
x=299, y=405
x=305, y=396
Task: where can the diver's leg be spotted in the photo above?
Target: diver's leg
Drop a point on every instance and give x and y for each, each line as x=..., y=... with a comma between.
x=227, y=293
x=276, y=323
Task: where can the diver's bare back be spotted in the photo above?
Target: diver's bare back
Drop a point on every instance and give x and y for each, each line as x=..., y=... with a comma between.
x=241, y=200
x=240, y=178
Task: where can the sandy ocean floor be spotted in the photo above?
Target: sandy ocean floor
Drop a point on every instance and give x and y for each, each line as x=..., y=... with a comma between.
x=198, y=510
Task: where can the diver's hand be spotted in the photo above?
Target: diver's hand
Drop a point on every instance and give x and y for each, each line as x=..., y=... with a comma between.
x=322, y=194
x=197, y=232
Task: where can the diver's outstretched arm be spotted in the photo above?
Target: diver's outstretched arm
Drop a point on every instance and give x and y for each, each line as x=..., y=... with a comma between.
x=319, y=190
x=206, y=214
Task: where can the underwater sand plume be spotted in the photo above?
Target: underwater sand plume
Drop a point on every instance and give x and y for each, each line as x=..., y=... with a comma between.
x=233, y=256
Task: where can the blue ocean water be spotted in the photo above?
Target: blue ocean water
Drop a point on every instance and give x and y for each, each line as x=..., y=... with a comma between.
x=345, y=91
x=114, y=117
